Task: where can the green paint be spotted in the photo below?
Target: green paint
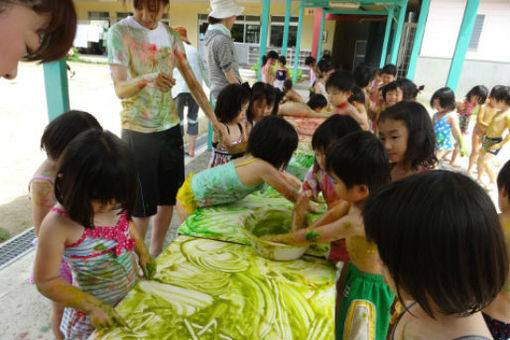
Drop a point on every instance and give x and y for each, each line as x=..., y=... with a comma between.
x=312, y=237
x=100, y=247
x=347, y=225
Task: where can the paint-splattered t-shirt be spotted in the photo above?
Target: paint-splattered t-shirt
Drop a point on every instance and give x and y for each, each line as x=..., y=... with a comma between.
x=144, y=51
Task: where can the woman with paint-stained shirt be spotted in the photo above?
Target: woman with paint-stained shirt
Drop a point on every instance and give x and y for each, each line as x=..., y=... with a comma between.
x=142, y=53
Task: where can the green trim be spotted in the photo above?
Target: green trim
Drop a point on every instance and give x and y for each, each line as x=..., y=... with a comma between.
x=298, y=44
x=321, y=35
x=389, y=21
x=398, y=33
x=286, y=28
x=263, y=34
x=418, y=38
x=57, y=89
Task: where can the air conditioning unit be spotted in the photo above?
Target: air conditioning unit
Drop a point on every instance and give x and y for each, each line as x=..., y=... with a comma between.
x=348, y=5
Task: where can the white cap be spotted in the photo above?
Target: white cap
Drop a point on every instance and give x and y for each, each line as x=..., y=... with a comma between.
x=221, y=9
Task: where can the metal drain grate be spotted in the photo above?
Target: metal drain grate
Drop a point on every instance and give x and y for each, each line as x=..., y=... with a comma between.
x=16, y=247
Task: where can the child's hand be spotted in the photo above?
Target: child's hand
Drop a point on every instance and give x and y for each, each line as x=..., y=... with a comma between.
x=148, y=265
x=105, y=316
x=162, y=82
x=313, y=207
x=495, y=147
x=298, y=215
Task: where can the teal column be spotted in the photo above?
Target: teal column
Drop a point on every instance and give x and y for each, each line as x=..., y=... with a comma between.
x=389, y=22
x=57, y=90
x=321, y=34
x=298, y=43
x=466, y=30
x=418, y=38
x=398, y=32
x=263, y=34
x=286, y=28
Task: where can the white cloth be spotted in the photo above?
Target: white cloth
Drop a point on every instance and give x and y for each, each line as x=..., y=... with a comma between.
x=198, y=67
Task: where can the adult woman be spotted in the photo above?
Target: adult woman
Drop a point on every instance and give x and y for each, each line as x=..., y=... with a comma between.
x=34, y=30
x=142, y=53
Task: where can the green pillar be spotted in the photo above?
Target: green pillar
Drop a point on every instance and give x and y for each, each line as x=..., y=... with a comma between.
x=398, y=32
x=418, y=38
x=466, y=30
x=57, y=91
x=298, y=43
x=286, y=28
x=263, y=34
x=321, y=34
x=389, y=22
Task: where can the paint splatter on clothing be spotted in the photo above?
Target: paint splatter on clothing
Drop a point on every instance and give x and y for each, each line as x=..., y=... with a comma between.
x=317, y=181
x=443, y=131
x=145, y=52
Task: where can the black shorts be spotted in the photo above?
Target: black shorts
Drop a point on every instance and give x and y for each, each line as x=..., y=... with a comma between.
x=160, y=163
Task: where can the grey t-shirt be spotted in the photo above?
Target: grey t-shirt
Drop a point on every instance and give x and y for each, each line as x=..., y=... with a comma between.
x=221, y=58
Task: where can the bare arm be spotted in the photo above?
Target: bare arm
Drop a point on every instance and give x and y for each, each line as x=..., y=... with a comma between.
x=227, y=141
x=453, y=121
x=231, y=77
x=299, y=110
x=146, y=260
x=125, y=88
x=507, y=138
x=41, y=197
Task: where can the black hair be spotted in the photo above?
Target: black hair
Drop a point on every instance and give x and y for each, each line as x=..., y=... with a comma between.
x=504, y=178
x=287, y=84
x=494, y=90
x=341, y=81
x=389, y=69
x=96, y=166
x=152, y=5
x=230, y=101
x=61, y=131
x=324, y=65
x=357, y=95
x=359, y=158
x=480, y=91
x=378, y=72
x=212, y=20
x=439, y=235
x=258, y=93
x=270, y=55
x=309, y=60
x=278, y=96
x=362, y=75
x=331, y=130
x=409, y=89
x=393, y=86
x=502, y=94
x=446, y=98
x=421, y=140
x=273, y=139
x=282, y=60
x=316, y=101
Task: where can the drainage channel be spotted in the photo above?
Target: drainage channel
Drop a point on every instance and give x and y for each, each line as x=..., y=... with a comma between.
x=21, y=244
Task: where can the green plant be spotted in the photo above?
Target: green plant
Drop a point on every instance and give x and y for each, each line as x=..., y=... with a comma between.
x=4, y=234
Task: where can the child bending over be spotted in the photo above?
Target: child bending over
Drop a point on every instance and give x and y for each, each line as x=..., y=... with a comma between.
x=290, y=95
x=470, y=105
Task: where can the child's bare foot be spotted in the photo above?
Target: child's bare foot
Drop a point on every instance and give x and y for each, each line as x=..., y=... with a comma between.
x=455, y=165
x=190, y=153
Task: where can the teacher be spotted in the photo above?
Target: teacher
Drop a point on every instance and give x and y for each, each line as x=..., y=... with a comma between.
x=142, y=53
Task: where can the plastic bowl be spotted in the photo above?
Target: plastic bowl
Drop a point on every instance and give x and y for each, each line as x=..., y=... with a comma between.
x=260, y=222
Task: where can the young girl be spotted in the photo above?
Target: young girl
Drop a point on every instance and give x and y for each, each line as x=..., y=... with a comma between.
x=310, y=63
x=325, y=68
x=443, y=253
x=406, y=131
x=409, y=89
x=471, y=104
x=282, y=73
x=57, y=135
x=95, y=186
x=270, y=147
x=268, y=62
x=483, y=118
x=290, y=95
x=446, y=125
x=262, y=102
x=493, y=139
x=231, y=140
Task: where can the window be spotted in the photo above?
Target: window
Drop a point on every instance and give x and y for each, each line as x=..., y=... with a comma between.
x=246, y=29
x=277, y=27
x=477, y=31
x=99, y=16
x=122, y=15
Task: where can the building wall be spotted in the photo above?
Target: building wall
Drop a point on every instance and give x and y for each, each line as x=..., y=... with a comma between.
x=186, y=14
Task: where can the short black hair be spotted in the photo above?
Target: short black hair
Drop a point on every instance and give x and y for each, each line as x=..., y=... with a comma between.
x=504, y=178
x=331, y=130
x=378, y=72
x=494, y=90
x=258, y=93
x=446, y=98
x=273, y=139
x=61, y=131
x=278, y=96
x=409, y=89
x=230, y=101
x=287, y=84
x=341, y=81
x=362, y=75
x=282, y=59
x=357, y=95
x=309, y=60
x=393, y=86
x=421, y=141
x=270, y=55
x=480, y=91
x=502, y=94
x=324, y=65
x=439, y=235
x=317, y=101
x=96, y=166
x=389, y=69
x=359, y=158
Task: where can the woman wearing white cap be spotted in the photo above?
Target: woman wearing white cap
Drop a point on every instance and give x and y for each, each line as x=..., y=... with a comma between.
x=221, y=56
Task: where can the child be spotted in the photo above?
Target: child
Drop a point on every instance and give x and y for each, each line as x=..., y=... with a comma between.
x=446, y=125
x=232, y=137
x=290, y=94
x=407, y=134
x=268, y=62
x=471, y=104
x=270, y=147
x=442, y=247
x=326, y=68
x=262, y=102
x=388, y=74
x=392, y=94
x=483, y=118
x=317, y=102
x=497, y=314
x=358, y=165
x=315, y=108
x=376, y=83
x=310, y=63
x=493, y=139
x=95, y=187
x=55, y=138
x=409, y=89
x=339, y=87
x=358, y=100
x=281, y=74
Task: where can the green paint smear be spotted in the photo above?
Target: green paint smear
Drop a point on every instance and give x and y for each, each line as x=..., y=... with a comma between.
x=312, y=236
